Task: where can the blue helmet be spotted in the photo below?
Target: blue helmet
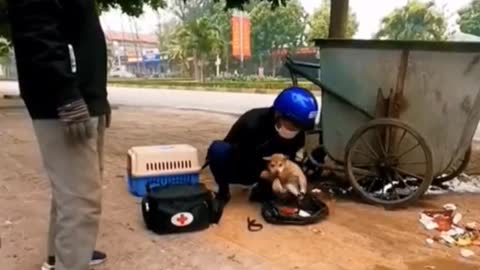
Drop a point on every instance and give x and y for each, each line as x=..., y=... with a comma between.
x=297, y=105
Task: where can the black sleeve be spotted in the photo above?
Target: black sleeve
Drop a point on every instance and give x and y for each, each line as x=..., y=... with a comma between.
x=299, y=143
x=239, y=132
x=41, y=49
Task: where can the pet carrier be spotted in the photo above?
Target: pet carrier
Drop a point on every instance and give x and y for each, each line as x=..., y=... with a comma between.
x=161, y=165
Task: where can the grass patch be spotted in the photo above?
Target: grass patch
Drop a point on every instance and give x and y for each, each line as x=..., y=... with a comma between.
x=241, y=86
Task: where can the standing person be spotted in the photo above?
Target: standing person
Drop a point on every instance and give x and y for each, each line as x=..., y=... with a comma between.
x=259, y=133
x=70, y=112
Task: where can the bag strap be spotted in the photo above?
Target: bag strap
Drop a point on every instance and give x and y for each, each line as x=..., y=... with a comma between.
x=253, y=225
x=216, y=210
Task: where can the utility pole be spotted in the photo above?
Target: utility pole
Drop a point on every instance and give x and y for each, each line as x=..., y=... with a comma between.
x=135, y=44
x=122, y=44
x=137, y=37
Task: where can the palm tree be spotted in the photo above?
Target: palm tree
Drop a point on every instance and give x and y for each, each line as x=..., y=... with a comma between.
x=199, y=39
x=178, y=48
x=5, y=55
x=415, y=21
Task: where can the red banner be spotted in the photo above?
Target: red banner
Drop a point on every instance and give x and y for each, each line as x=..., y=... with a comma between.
x=241, y=38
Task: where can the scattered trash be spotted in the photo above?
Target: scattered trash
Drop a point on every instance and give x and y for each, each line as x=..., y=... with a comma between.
x=448, y=239
x=466, y=253
x=461, y=184
x=8, y=223
x=457, y=218
x=430, y=241
x=430, y=267
x=450, y=207
x=464, y=241
x=446, y=223
x=471, y=226
x=428, y=222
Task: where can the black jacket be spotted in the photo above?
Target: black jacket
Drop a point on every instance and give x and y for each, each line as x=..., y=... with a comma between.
x=41, y=32
x=254, y=136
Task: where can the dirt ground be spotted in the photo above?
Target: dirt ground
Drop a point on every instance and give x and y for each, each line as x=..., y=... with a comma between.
x=355, y=236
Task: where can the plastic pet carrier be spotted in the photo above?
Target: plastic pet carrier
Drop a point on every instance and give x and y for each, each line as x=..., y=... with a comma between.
x=161, y=165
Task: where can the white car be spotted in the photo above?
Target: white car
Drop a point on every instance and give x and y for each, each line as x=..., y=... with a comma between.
x=120, y=72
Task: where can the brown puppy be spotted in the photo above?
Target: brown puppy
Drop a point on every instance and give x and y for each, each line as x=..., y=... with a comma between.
x=286, y=176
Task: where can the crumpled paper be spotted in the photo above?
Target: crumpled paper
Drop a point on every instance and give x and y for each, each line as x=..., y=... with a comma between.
x=447, y=228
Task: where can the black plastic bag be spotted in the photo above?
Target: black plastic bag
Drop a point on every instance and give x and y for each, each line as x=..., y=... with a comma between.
x=312, y=204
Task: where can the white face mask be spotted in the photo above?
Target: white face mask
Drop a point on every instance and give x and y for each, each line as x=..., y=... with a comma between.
x=286, y=133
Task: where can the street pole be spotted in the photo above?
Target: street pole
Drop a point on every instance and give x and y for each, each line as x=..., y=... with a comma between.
x=241, y=42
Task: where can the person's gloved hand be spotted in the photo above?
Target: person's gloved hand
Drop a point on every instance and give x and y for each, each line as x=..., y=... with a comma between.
x=77, y=120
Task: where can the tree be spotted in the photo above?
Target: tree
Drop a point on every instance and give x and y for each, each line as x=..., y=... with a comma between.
x=221, y=18
x=191, y=10
x=469, y=20
x=132, y=8
x=283, y=27
x=319, y=22
x=165, y=31
x=135, y=7
x=414, y=21
x=200, y=40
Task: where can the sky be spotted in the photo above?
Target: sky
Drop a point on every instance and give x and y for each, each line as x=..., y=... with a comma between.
x=369, y=13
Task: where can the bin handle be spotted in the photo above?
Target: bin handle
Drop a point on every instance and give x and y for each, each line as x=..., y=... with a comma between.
x=291, y=65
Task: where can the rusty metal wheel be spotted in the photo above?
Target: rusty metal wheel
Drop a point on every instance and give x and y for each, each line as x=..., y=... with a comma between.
x=455, y=171
x=388, y=163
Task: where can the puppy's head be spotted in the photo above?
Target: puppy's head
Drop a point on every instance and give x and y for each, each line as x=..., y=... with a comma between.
x=276, y=163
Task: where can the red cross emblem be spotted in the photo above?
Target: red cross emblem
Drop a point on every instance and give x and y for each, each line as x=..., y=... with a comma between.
x=182, y=219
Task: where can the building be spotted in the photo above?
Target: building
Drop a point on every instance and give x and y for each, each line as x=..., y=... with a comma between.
x=138, y=52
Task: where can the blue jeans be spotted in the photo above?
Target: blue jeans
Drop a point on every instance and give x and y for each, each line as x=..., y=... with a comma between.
x=227, y=168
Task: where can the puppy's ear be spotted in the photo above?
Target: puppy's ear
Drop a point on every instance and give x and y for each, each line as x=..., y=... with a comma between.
x=285, y=157
x=267, y=158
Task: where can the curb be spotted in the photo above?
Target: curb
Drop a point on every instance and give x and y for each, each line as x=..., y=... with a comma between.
x=198, y=88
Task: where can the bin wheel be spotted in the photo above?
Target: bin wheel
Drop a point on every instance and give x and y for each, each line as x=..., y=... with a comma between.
x=383, y=160
x=454, y=171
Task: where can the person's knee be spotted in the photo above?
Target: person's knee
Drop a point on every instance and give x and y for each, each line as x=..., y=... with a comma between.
x=219, y=150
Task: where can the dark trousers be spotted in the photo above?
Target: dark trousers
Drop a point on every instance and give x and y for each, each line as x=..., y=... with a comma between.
x=228, y=168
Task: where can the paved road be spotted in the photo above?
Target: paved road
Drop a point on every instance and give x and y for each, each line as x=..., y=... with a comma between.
x=232, y=103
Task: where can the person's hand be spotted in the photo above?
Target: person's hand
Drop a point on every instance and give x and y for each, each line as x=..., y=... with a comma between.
x=76, y=118
x=301, y=196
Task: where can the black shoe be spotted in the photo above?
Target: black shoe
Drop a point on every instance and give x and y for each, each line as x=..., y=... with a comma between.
x=98, y=257
x=223, y=197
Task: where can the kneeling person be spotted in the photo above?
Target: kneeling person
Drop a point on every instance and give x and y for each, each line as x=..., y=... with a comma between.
x=259, y=133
